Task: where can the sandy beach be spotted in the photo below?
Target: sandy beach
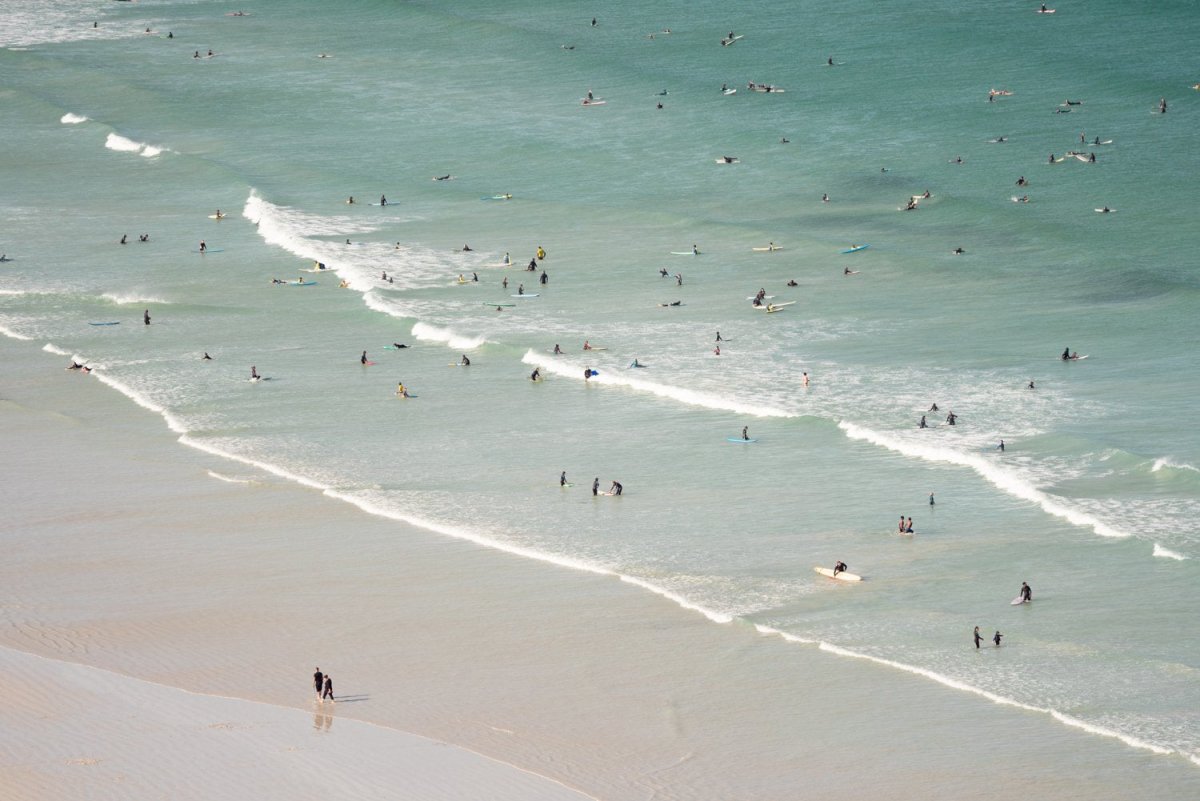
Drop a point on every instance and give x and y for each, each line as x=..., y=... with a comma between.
x=205, y=593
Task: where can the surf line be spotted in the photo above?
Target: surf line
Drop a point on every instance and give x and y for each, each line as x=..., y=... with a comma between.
x=1002, y=479
x=688, y=396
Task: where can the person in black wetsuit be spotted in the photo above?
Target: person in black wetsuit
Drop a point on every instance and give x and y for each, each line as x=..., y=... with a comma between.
x=328, y=692
x=319, y=682
x=1026, y=592
x=535, y=375
x=746, y=432
x=839, y=567
x=363, y=359
x=146, y=317
x=596, y=486
x=465, y=362
x=616, y=488
x=562, y=479
x=1066, y=354
x=922, y=424
x=978, y=638
x=996, y=638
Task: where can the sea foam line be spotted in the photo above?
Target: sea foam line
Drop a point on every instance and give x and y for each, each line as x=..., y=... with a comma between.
x=962, y=686
x=8, y=332
x=1166, y=553
x=72, y=119
x=998, y=476
x=456, y=341
x=122, y=144
x=689, y=396
x=171, y=420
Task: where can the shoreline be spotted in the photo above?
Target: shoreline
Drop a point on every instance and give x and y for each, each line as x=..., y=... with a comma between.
x=236, y=588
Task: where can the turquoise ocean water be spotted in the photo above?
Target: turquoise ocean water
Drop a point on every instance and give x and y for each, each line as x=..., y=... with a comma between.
x=113, y=131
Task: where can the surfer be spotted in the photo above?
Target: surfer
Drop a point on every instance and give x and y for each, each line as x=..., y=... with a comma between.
x=719, y=337
x=1091, y=158
x=1051, y=158
x=1026, y=594
x=1000, y=447
x=363, y=359
x=504, y=283
x=848, y=271
x=350, y=200
x=635, y=362
x=922, y=424
x=254, y=376
x=804, y=379
x=475, y=278
x=829, y=61
x=678, y=279
x=792, y=282
x=144, y=237
x=1031, y=386
x=124, y=239
x=542, y=279
x=586, y=345
x=146, y=317
x=532, y=266
x=203, y=245
x=562, y=479
x=662, y=272
x=596, y=486
x=587, y=373
x=535, y=375
x=784, y=141
x=931, y=499
x=745, y=432
x=717, y=350
x=695, y=250
x=958, y=251
x=839, y=567
x=951, y=418
x=206, y=357
x=996, y=638
x=557, y=350
x=74, y=365
x=908, y=529
x=398, y=346
x=464, y=361
x=401, y=391
x=978, y=638
x=541, y=253
x=616, y=488
x=934, y=408
x=1066, y=354
x=1162, y=105
x=383, y=200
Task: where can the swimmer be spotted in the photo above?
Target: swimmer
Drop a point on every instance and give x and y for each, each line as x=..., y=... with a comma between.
x=398, y=346
x=466, y=248
x=792, y=282
x=557, y=350
x=804, y=380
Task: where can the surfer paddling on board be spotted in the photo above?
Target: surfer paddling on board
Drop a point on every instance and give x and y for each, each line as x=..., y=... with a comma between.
x=839, y=567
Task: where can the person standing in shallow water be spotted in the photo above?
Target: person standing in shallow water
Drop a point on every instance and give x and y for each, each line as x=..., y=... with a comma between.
x=328, y=692
x=596, y=486
x=978, y=638
x=318, y=682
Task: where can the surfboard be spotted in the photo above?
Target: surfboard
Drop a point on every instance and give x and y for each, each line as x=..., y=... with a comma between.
x=1106, y=211
x=564, y=486
x=393, y=347
x=732, y=40
x=367, y=364
x=1017, y=601
x=776, y=308
x=843, y=576
x=594, y=348
x=770, y=306
x=684, y=253
x=766, y=297
x=593, y=102
x=728, y=92
x=114, y=322
x=215, y=217
x=497, y=197
x=739, y=439
x=856, y=248
x=526, y=295
x=768, y=249
x=730, y=160
x=209, y=250
x=300, y=283
x=381, y=204
x=1020, y=200
x=1045, y=10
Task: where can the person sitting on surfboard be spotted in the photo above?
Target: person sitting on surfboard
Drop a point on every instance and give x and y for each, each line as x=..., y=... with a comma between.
x=839, y=567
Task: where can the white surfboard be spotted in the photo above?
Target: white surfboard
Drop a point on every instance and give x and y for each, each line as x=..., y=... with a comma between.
x=843, y=576
x=768, y=249
x=1017, y=601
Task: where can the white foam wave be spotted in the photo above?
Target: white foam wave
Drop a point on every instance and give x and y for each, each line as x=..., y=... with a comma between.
x=1167, y=461
x=229, y=479
x=122, y=145
x=1000, y=699
x=8, y=332
x=431, y=333
x=1000, y=477
x=15, y=292
x=121, y=298
x=549, y=364
x=72, y=119
x=150, y=151
x=171, y=420
x=1166, y=553
x=49, y=348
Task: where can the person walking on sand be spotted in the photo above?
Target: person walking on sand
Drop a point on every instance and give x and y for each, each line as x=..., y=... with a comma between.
x=328, y=692
x=978, y=638
x=318, y=682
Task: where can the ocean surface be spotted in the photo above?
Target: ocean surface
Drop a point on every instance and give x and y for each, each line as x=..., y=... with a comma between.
x=116, y=130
